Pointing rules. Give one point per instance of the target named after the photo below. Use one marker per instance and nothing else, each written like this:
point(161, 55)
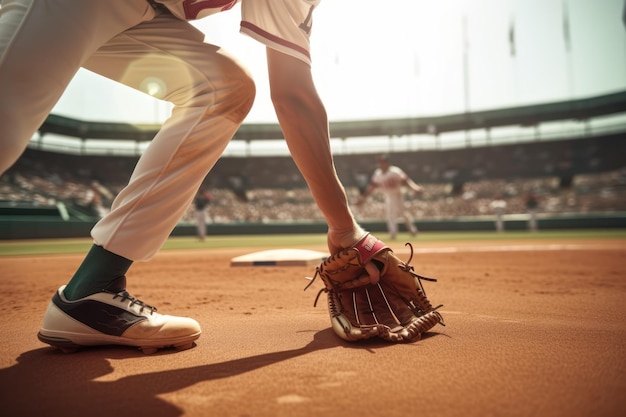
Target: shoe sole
point(70, 343)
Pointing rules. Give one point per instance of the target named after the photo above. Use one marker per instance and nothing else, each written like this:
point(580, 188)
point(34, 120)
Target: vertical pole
point(513, 53)
point(624, 21)
point(466, 86)
point(568, 49)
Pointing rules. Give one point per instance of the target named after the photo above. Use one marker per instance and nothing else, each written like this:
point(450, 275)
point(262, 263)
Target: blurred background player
point(95, 198)
point(498, 206)
point(200, 203)
point(390, 180)
point(532, 203)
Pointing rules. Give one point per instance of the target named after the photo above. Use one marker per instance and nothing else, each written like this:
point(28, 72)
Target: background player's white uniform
point(390, 183)
point(499, 207)
point(43, 43)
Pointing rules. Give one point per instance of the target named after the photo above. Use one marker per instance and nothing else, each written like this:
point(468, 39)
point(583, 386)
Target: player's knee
point(222, 86)
point(232, 92)
point(243, 95)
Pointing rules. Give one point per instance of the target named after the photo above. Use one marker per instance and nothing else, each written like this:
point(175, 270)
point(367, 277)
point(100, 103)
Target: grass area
point(72, 246)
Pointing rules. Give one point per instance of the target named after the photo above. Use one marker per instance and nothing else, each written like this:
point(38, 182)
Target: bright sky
point(400, 58)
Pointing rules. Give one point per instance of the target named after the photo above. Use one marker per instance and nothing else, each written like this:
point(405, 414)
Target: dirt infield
point(532, 329)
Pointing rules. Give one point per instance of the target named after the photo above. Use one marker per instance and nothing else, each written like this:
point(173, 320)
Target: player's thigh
point(52, 38)
point(42, 45)
point(168, 59)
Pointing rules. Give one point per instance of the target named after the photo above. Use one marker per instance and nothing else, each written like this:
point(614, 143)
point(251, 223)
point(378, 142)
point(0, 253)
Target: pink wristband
point(368, 246)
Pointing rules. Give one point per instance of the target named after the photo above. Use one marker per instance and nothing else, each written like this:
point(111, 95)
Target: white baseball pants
point(394, 209)
point(43, 43)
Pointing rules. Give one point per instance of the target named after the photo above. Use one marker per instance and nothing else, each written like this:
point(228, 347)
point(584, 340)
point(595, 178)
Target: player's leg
point(201, 224)
point(391, 212)
point(42, 45)
point(408, 220)
point(532, 225)
point(499, 223)
point(212, 95)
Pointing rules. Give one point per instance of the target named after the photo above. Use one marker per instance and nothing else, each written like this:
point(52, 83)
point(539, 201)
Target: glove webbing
point(367, 248)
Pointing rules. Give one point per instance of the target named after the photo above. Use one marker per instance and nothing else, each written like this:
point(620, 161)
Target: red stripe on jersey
point(275, 39)
point(194, 7)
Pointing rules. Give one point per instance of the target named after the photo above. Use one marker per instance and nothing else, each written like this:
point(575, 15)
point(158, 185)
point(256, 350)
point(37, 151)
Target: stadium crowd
point(604, 192)
point(237, 202)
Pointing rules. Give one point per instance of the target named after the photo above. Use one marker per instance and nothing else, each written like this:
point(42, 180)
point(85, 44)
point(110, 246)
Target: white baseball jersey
point(284, 25)
point(389, 182)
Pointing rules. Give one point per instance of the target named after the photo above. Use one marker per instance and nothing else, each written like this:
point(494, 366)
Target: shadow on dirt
point(48, 382)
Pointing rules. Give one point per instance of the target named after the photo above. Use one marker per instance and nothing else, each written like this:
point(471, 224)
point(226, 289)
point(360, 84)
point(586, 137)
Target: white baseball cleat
point(113, 317)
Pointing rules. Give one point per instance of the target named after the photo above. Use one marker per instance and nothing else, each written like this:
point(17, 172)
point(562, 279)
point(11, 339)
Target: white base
point(280, 257)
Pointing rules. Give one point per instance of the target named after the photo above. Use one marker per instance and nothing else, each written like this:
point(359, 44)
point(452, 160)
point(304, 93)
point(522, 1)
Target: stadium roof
point(530, 115)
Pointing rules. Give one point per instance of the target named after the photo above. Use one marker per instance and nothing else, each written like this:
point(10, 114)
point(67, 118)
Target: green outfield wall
point(50, 226)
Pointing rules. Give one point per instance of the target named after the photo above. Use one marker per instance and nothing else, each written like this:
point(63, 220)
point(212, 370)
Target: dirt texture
point(532, 329)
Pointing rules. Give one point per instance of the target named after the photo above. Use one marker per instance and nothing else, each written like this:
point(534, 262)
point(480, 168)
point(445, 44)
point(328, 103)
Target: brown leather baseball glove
point(372, 293)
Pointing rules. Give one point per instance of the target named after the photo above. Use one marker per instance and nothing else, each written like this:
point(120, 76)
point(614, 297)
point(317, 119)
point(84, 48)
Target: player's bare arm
point(418, 189)
point(304, 122)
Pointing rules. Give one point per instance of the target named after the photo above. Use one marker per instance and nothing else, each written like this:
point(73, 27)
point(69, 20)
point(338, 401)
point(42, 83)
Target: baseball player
point(42, 45)
point(498, 205)
point(532, 203)
point(390, 180)
point(200, 203)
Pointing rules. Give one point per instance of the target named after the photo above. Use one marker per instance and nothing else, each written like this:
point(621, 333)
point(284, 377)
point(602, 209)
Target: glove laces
point(326, 261)
point(425, 305)
point(311, 280)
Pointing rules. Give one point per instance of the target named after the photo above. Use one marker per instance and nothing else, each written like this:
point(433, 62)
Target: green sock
point(99, 268)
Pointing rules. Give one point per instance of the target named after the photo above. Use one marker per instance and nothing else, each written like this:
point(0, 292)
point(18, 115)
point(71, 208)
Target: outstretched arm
point(304, 123)
point(413, 186)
